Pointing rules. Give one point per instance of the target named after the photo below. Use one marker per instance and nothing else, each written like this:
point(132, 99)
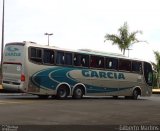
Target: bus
point(50, 71)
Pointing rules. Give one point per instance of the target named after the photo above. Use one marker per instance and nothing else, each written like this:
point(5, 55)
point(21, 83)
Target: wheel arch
point(138, 88)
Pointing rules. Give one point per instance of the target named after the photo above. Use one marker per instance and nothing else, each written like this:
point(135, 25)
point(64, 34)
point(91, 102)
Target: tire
point(78, 93)
point(135, 94)
point(62, 92)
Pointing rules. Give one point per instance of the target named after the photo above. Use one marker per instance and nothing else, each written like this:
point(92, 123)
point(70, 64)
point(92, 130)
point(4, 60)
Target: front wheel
point(78, 93)
point(135, 94)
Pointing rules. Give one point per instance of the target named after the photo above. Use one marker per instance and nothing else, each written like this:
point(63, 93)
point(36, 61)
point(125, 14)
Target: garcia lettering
point(103, 74)
point(12, 54)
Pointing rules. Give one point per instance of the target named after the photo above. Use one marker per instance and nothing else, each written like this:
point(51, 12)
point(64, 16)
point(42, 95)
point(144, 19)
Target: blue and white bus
point(50, 71)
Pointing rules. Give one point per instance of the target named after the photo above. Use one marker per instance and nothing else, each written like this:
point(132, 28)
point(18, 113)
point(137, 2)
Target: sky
point(82, 24)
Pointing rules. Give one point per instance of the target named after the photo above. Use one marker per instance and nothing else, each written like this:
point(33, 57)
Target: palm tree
point(157, 67)
point(124, 39)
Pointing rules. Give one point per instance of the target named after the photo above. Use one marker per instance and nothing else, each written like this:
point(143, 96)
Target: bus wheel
point(135, 94)
point(62, 92)
point(78, 93)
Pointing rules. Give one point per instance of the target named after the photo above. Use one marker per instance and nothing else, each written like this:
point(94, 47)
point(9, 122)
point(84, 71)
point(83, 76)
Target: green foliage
point(156, 67)
point(154, 80)
point(124, 39)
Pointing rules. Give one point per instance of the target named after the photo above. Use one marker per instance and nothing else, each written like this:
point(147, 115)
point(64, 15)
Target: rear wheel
point(78, 93)
point(62, 92)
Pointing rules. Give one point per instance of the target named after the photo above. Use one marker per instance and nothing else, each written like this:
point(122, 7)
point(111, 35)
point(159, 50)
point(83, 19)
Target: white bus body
point(48, 71)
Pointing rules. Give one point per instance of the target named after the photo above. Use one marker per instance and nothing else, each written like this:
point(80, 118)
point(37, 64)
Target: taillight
point(22, 77)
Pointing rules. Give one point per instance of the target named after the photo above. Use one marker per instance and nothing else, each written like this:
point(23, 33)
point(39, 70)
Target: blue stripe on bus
point(50, 78)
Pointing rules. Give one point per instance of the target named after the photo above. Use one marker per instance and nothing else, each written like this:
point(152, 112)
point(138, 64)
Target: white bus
point(49, 71)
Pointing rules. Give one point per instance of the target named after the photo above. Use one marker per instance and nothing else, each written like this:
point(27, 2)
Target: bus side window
point(101, 62)
point(136, 66)
point(36, 54)
point(77, 59)
point(85, 60)
point(124, 65)
point(68, 58)
point(112, 63)
point(48, 56)
point(97, 62)
point(60, 58)
point(93, 61)
point(81, 60)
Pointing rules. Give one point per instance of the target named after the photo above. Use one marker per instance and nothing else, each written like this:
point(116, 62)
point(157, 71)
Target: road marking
point(9, 102)
point(15, 102)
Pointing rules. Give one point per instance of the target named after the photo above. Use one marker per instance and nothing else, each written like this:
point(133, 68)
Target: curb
point(13, 94)
point(156, 91)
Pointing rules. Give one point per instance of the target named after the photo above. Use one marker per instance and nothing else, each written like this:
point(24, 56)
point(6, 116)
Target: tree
point(157, 67)
point(124, 39)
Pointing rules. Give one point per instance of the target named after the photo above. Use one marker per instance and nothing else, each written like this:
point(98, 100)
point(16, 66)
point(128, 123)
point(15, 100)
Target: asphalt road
point(29, 110)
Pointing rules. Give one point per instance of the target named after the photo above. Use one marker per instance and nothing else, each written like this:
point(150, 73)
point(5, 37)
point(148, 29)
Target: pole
point(48, 39)
point(2, 45)
point(128, 51)
point(48, 34)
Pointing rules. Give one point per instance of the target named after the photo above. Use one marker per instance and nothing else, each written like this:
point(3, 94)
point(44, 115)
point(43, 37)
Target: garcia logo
point(103, 74)
point(12, 51)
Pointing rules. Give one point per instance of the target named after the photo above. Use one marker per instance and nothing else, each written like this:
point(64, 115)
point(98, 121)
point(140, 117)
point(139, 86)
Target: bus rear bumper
point(12, 88)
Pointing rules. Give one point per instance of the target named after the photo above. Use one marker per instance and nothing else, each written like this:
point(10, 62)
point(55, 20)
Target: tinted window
point(137, 66)
point(48, 56)
point(36, 54)
point(68, 58)
point(60, 58)
point(112, 63)
point(97, 62)
point(81, 60)
point(125, 65)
